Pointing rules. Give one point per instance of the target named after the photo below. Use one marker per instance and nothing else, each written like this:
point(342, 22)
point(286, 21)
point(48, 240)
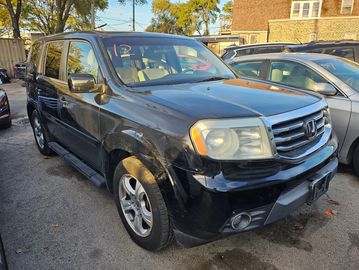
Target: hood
point(229, 98)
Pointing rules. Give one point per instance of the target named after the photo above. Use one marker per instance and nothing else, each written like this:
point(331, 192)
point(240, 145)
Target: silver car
point(336, 78)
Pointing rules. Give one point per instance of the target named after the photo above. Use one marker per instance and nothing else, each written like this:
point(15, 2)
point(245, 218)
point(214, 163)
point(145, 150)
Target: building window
point(347, 6)
point(254, 38)
point(312, 37)
point(306, 9)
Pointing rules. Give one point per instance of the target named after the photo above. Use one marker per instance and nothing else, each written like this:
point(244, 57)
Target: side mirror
point(325, 89)
point(80, 83)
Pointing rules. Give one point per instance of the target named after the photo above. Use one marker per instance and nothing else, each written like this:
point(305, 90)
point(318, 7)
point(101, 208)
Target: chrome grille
point(291, 136)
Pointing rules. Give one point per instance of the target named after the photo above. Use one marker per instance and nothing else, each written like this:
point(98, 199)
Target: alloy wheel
point(39, 134)
point(135, 205)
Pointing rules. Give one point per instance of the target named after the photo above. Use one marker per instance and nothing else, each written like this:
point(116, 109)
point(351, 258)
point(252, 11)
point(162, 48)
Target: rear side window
point(53, 59)
point(243, 52)
point(248, 69)
point(228, 55)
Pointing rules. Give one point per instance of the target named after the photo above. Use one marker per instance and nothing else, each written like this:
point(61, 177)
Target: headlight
point(232, 139)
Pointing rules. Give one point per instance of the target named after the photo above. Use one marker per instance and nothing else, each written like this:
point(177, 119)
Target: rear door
point(47, 83)
point(79, 112)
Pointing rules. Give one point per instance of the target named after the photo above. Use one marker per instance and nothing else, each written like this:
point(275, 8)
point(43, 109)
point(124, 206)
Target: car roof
point(284, 56)
point(258, 45)
point(323, 44)
point(106, 34)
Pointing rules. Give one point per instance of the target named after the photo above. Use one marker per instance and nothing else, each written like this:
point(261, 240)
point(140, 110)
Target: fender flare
point(133, 143)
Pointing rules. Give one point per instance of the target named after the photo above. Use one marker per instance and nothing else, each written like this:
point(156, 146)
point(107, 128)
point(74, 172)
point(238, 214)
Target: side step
point(75, 162)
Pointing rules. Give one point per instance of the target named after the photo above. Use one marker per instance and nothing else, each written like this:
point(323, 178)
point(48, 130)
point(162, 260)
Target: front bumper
point(211, 203)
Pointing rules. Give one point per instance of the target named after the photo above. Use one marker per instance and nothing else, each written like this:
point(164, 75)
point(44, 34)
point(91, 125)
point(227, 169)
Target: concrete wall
point(11, 52)
point(334, 28)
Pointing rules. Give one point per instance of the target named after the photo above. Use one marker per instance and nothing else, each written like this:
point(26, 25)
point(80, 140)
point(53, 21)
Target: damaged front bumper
point(217, 207)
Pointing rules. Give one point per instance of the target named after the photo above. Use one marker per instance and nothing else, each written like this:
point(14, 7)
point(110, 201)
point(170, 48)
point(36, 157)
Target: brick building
point(295, 20)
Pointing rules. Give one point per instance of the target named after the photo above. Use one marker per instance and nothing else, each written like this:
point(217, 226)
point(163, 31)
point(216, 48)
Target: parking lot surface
point(51, 217)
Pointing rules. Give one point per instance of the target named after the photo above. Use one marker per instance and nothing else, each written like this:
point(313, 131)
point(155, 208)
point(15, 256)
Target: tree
point(183, 17)
point(134, 3)
point(227, 10)
point(5, 22)
point(172, 18)
point(56, 16)
point(207, 12)
point(14, 9)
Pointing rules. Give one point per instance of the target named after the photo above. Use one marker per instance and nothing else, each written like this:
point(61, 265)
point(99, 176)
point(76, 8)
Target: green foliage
point(49, 16)
point(227, 9)
point(207, 12)
point(183, 17)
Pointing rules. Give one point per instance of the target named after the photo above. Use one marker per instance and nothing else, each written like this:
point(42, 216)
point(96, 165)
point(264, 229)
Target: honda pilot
point(189, 150)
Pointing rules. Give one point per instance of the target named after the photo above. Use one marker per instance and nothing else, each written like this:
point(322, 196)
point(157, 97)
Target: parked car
point(345, 48)
point(259, 48)
point(196, 153)
point(4, 77)
point(3, 263)
point(5, 116)
point(335, 77)
point(19, 70)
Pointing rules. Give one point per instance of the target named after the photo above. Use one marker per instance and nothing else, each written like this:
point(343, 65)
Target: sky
point(119, 17)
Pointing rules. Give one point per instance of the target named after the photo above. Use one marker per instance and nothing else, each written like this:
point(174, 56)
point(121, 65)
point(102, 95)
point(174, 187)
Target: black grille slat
point(290, 135)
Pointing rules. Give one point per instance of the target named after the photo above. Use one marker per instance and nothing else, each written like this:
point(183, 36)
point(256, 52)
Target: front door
point(79, 112)
point(47, 83)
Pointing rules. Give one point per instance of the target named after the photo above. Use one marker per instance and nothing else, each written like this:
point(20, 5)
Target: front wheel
point(356, 160)
point(40, 135)
point(141, 206)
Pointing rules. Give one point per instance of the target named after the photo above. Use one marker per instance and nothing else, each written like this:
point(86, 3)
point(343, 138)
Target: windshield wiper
point(213, 78)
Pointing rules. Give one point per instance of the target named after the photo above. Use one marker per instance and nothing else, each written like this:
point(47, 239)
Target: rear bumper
point(212, 203)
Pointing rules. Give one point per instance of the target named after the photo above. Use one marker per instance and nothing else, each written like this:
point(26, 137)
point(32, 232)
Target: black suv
point(186, 148)
point(346, 49)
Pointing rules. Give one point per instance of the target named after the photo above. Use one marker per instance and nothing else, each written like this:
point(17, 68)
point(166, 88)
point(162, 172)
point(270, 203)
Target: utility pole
point(93, 15)
point(133, 16)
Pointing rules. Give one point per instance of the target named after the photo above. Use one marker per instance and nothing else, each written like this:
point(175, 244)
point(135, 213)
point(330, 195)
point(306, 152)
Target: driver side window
point(294, 74)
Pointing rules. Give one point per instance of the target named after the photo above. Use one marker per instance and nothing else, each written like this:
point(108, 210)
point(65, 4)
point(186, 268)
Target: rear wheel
point(40, 135)
point(141, 205)
point(356, 160)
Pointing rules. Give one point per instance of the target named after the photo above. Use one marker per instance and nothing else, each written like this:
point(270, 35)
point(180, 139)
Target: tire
point(132, 171)
point(7, 125)
point(356, 160)
point(39, 131)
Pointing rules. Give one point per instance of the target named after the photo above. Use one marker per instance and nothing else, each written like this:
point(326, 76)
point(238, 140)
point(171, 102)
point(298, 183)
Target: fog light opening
point(241, 221)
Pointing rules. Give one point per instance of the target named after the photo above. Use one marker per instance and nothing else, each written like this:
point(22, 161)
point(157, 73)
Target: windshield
point(144, 61)
point(344, 69)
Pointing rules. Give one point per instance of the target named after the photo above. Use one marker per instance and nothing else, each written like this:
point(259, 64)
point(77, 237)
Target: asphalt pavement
point(51, 217)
